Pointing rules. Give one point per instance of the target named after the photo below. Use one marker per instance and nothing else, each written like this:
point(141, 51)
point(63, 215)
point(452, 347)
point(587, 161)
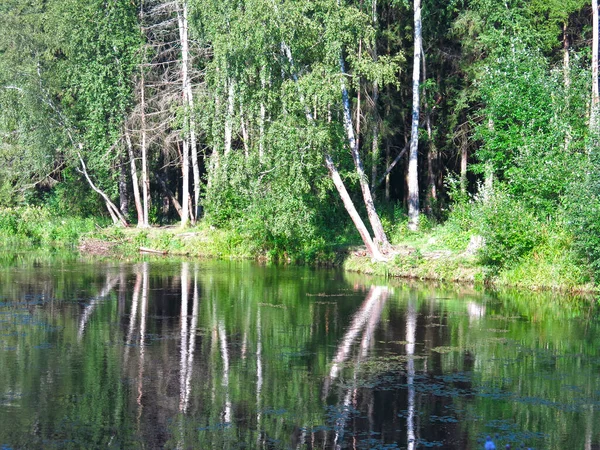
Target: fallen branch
point(151, 250)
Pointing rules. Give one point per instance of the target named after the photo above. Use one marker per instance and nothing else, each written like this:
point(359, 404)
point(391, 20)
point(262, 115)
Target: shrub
point(510, 230)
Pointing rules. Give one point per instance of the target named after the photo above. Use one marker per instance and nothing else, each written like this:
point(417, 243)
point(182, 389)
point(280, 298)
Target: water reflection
point(411, 335)
point(219, 355)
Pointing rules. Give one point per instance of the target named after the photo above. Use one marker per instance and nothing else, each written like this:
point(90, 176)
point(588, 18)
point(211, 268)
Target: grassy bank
point(446, 252)
point(437, 253)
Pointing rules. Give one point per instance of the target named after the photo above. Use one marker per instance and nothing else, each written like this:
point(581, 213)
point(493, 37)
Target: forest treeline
point(306, 123)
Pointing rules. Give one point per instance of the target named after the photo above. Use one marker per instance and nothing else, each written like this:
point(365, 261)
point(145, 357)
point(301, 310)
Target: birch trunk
point(595, 96)
point(376, 116)
point(337, 180)
point(114, 212)
point(145, 176)
point(123, 190)
point(463, 164)
point(352, 212)
point(134, 181)
point(566, 56)
point(185, 198)
point(379, 233)
point(182, 17)
point(263, 114)
point(375, 143)
point(413, 169)
point(388, 159)
point(229, 118)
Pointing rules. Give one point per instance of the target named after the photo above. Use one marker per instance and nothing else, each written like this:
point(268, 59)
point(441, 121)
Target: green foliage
point(533, 128)
point(39, 227)
point(509, 227)
point(582, 209)
point(552, 264)
point(510, 230)
point(275, 210)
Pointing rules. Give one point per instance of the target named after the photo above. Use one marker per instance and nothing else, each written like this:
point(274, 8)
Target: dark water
point(232, 355)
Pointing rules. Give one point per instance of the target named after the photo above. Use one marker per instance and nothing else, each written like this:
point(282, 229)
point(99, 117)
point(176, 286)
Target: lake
point(214, 354)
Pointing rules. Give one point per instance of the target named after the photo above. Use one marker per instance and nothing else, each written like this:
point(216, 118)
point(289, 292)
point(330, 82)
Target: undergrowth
point(38, 227)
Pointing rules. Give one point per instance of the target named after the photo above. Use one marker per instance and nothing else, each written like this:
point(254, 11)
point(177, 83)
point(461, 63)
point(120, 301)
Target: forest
point(300, 126)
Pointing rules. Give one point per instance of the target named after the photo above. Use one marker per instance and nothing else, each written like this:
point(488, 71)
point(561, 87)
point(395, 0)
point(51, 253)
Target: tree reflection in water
point(216, 355)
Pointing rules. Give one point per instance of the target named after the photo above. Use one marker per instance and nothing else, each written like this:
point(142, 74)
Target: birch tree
point(413, 168)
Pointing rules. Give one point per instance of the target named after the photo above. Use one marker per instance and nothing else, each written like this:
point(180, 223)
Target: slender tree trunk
point(413, 169)
point(378, 231)
point(134, 181)
point(388, 159)
point(566, 56)
point(335, 176)
point(229, 117)
point(263, 113)
point(352, 212)
point(464, 156)
point(145, 175)
point(595, 95)
point(185, 189)
point(376, 116)
point(182, 17)
point(375, 143)
point(123, 190)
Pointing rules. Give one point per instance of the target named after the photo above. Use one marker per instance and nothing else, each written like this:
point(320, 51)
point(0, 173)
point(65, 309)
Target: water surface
point(184, 354)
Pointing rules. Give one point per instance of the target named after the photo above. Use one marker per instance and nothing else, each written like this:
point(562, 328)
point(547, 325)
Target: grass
point(435, 252)
point(37, 227)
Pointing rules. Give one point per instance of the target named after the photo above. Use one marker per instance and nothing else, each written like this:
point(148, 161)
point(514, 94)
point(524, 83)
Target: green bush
point(509, 227)
point(510, 230)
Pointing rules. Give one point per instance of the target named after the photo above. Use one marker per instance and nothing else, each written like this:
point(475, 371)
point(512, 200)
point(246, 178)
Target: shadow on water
point(182, 354)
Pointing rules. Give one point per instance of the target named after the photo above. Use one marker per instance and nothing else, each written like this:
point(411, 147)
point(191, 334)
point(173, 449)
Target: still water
point(186, 354)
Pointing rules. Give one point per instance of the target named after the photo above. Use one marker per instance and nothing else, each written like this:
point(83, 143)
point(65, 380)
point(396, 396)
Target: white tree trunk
point(335, 176)
point(375, 143)
point(182, 18)
point(263, 114)
point(352, 212)
point(376, 225)
point(134, 180)
point(229, 117)
point(413, 169)
point(185, 199)
point(145, 176)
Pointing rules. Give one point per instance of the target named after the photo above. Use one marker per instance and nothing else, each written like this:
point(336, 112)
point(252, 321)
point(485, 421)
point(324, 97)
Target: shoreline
point(407, 262)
